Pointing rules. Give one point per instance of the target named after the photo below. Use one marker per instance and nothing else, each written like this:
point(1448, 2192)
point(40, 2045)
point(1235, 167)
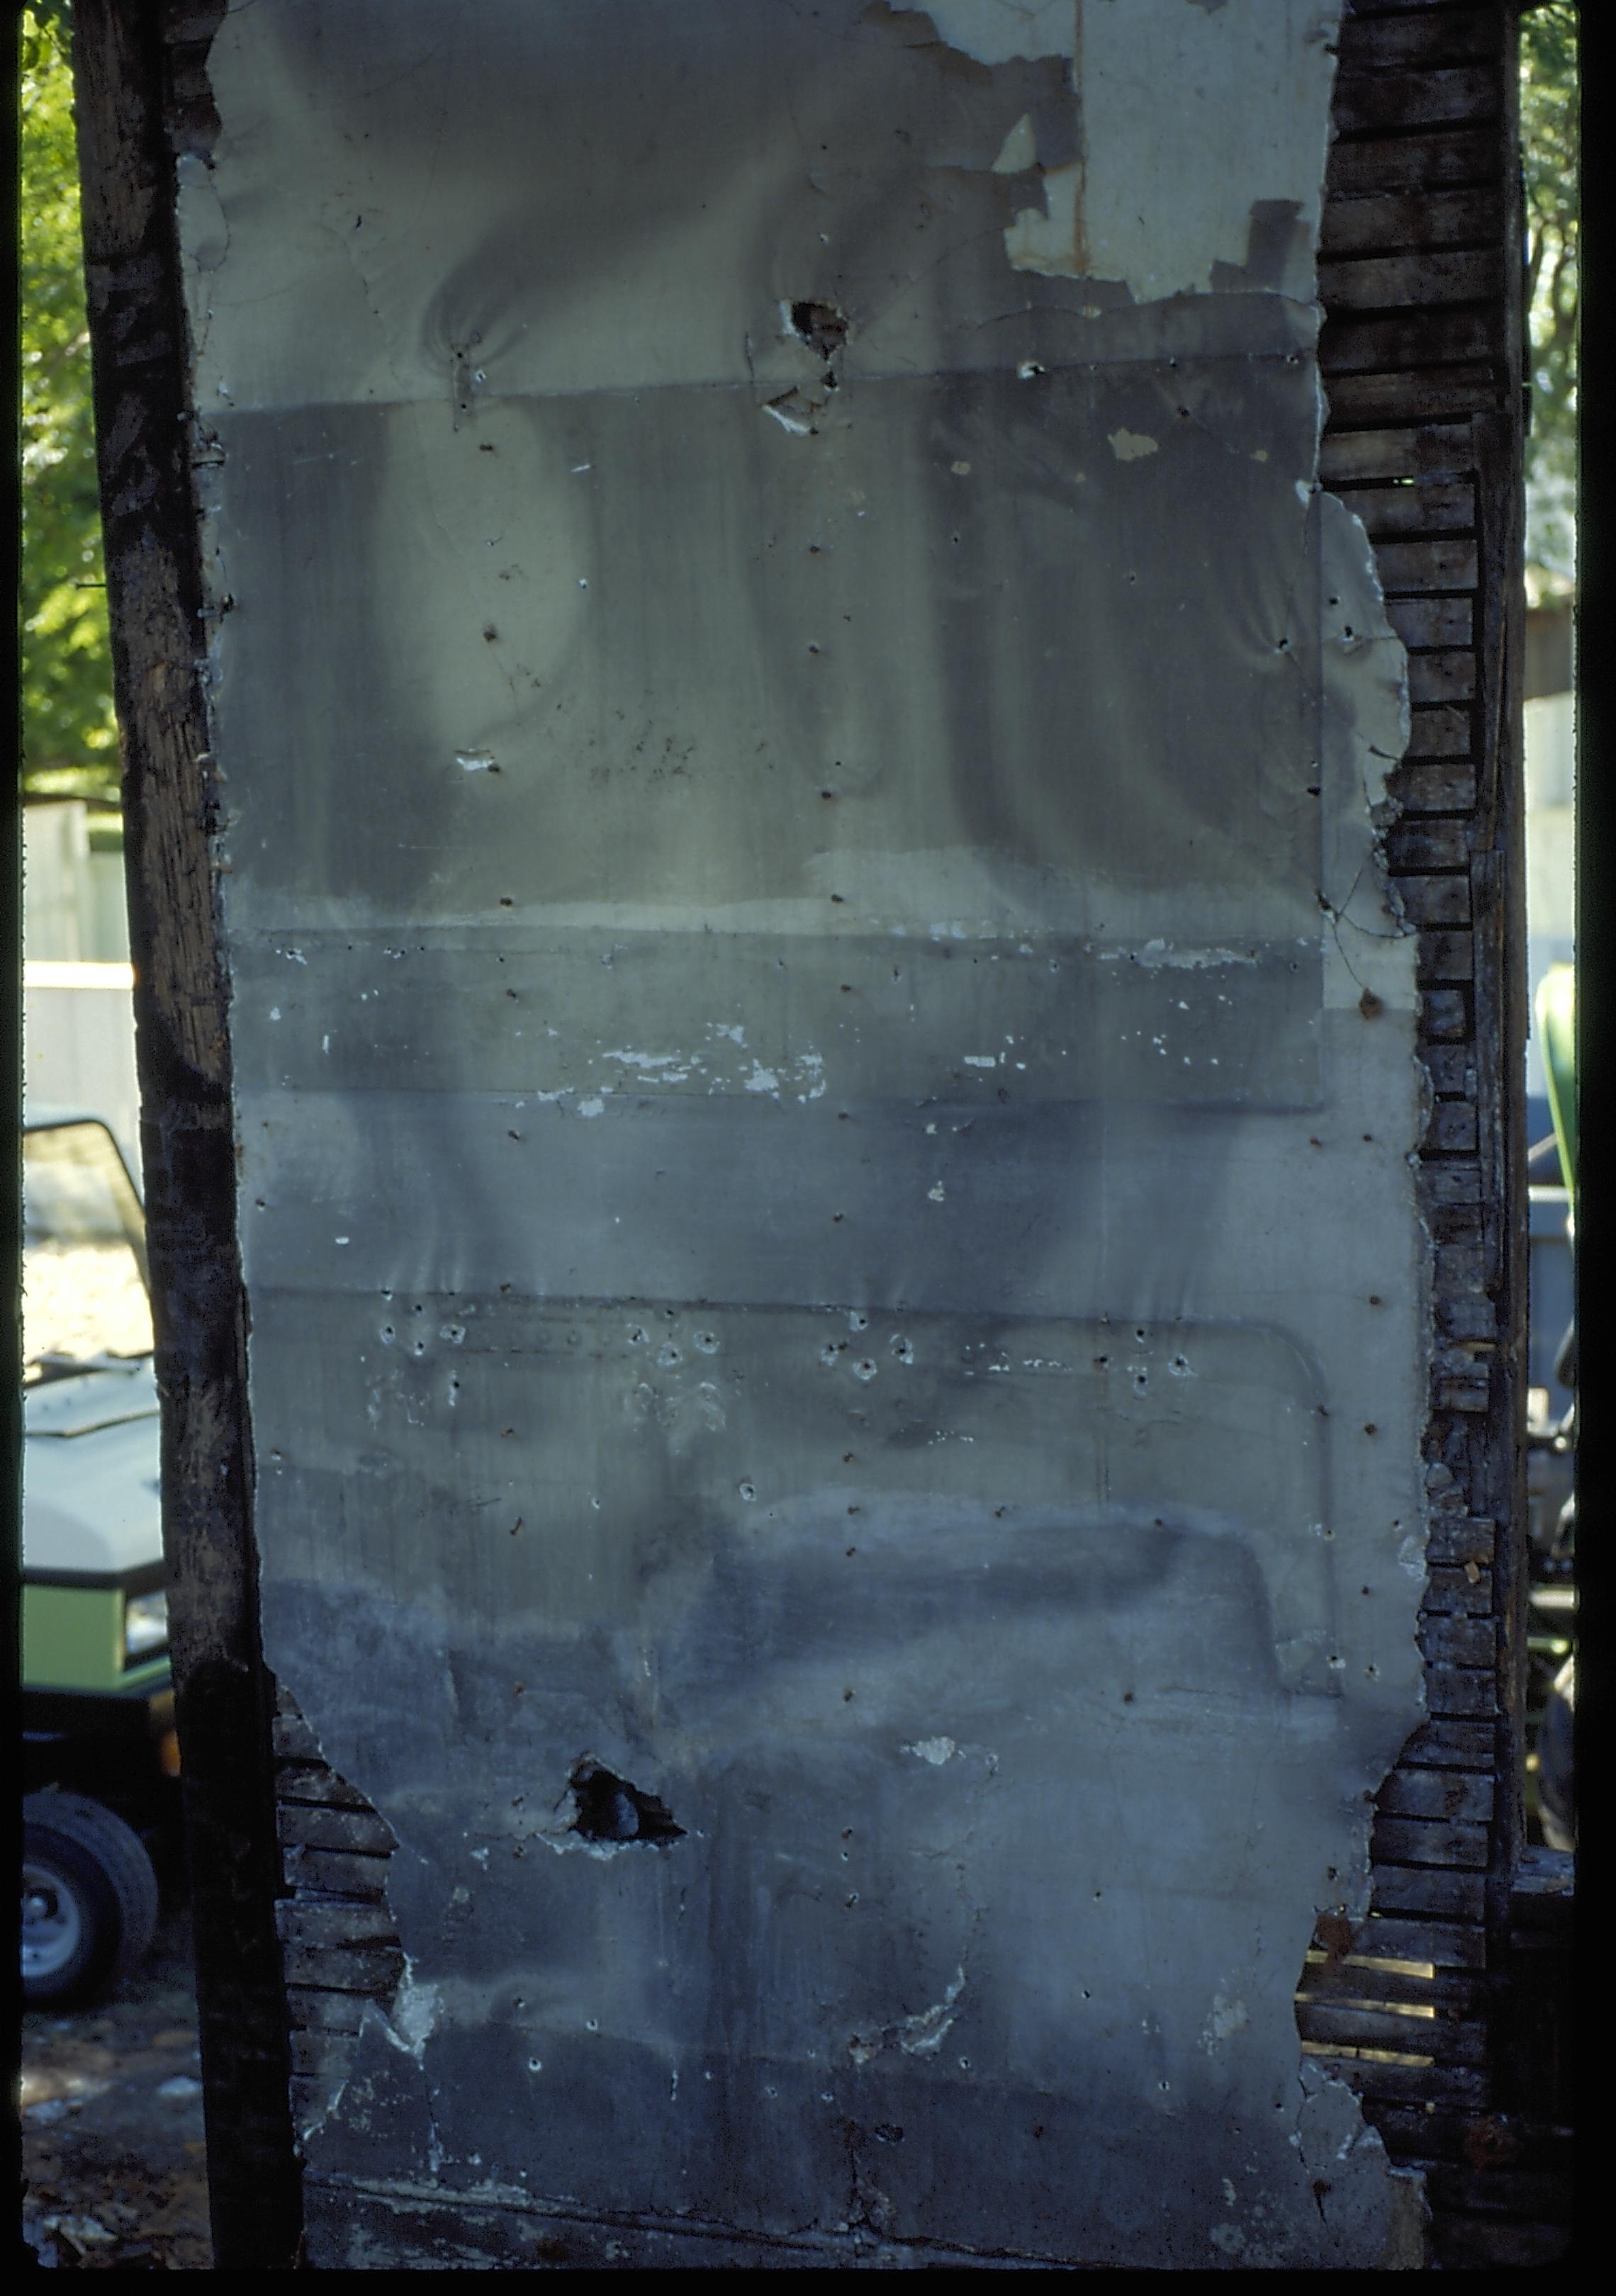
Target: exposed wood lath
point(1422, 353)
point(339, 1938)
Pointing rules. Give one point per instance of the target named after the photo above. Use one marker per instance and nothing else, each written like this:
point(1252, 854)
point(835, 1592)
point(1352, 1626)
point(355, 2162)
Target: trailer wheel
point(89, 1898)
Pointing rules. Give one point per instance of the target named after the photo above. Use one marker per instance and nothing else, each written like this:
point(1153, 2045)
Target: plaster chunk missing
point(920, 2035)
point(606, 1811)
point(413, 2017)
point(927, 2031)
point(793, 414)
point(1132, 446)
point(935, 1751)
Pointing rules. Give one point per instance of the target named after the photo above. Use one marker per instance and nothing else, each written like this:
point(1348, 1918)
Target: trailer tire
point(89, 1898)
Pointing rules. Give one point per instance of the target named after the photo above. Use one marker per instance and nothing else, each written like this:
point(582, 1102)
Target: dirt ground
point(112, 2152)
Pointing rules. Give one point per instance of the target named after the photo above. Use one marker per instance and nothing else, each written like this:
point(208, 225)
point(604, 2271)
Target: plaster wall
point(825, 1089)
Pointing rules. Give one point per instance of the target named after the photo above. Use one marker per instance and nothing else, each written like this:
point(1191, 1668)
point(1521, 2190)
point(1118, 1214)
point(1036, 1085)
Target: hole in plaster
point(821, 324)
point(607, 1808)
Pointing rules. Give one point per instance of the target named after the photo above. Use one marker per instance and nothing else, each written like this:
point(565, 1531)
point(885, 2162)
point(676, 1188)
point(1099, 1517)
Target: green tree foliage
point(1550, 136)
point(70, 736)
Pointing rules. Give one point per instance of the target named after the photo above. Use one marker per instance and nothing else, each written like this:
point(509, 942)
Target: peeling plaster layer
point(819, 1182)
point(1231, 155)
point(417, 279)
